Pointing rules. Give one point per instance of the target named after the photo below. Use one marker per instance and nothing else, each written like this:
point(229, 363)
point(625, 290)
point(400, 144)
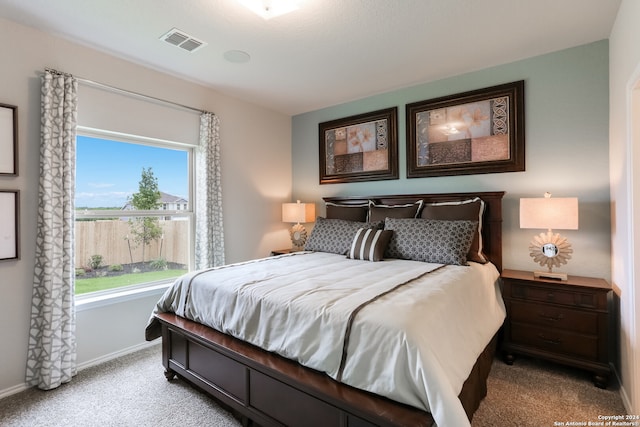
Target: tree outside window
point(146, 229)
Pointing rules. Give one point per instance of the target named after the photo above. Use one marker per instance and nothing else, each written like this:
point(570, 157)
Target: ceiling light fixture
point(268, 9)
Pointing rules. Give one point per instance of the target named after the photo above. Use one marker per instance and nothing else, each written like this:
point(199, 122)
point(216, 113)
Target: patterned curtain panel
point(51, 358)
point(209, 230)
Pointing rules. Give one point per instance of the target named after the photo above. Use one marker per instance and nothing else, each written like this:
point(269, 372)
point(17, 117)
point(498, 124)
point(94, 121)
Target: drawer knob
point(549, 340)
point(550, 296)
point(543, 315)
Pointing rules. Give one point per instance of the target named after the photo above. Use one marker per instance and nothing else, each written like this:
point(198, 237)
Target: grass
point(84, 286)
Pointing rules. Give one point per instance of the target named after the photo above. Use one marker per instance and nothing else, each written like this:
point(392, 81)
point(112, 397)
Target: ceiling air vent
point(182, 40)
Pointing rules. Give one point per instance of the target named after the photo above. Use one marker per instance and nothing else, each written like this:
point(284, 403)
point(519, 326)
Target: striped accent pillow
point(369, 244)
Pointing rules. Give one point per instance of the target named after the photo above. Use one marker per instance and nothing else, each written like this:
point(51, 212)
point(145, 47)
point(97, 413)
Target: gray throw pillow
point(437, 241)
point(334, 235)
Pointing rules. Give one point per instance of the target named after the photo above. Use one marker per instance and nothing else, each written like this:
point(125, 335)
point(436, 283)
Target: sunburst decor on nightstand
point(298, 213)
point(550, 249)
point(298, 236)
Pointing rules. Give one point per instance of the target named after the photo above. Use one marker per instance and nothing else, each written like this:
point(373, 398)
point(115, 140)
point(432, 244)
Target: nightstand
point(281, 251)
point(561, 321)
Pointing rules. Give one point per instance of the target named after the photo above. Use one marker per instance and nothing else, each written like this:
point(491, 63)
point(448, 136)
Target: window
point(128, 231)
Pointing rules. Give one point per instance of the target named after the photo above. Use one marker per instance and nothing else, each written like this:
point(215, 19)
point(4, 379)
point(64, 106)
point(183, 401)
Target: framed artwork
point(359, 148)
point(8, 140)
point(9, 218)
point(481, 131)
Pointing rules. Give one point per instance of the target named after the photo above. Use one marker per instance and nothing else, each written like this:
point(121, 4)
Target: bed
point(253, 346)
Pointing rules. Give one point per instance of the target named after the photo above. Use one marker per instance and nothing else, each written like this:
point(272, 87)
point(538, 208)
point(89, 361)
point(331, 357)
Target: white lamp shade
point(298, 212)
point(548, 213)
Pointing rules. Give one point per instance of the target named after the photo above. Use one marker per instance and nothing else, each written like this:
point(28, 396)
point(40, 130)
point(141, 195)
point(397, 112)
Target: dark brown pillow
point(380, 212)
point(347, 212)
point(471, 209)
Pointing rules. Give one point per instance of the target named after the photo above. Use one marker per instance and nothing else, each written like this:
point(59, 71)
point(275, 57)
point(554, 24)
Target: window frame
point(128, 292)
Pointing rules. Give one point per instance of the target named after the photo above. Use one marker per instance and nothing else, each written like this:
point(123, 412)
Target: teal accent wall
point(566, 134)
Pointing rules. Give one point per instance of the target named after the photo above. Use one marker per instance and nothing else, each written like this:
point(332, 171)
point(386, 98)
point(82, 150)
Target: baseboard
point(116, 354)
point(625, 400)
point(24, 386)
point(624, 396)
point(13, 390)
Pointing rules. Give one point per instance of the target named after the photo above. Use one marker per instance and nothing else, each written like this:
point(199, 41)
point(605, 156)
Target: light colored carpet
point(128, 391)
point(132, 391)
point(534, 393)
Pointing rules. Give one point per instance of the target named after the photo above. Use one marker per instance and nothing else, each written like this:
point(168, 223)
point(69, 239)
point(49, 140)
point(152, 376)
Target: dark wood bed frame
point(268, 390)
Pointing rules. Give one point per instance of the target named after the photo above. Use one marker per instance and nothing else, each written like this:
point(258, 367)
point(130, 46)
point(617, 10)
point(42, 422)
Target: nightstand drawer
point(557, 296)
point(584, 346)
point(554, 316)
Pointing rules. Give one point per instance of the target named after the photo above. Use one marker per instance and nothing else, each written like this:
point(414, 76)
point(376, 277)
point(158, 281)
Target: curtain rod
point(126, 92)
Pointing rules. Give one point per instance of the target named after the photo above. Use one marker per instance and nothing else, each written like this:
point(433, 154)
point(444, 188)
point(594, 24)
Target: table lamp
point(549, 249)
point(298, 213)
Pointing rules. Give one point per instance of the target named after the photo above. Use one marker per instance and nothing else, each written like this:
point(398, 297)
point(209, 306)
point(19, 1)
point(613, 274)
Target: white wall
point(625, 191)
point(256, 159)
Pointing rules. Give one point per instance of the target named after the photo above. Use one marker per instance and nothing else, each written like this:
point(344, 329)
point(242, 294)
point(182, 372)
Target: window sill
point(89, 302)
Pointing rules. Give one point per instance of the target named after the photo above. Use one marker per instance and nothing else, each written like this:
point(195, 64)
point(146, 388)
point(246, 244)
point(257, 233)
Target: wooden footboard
point(269, 390)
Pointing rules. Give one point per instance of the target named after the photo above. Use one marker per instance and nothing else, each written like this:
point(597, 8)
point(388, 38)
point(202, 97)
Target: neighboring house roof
point(164, 198)
point(169, 198)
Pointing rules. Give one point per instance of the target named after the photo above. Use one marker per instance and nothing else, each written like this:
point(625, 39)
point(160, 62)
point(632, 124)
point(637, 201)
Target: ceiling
point(328, 51)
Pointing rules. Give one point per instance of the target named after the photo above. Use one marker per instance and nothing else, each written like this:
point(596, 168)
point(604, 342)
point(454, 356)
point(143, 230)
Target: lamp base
point(298, 236)
point(550, 275)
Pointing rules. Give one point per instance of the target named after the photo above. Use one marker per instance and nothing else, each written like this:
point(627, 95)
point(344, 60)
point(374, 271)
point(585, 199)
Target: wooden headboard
point(491, 224)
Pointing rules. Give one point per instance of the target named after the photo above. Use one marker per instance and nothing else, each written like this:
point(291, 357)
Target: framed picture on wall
point(8, 139)
point(481, 131)
point(359, 148)
point(9, 227)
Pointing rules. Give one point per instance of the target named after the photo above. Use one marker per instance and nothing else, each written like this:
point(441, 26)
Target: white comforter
point(416, 344)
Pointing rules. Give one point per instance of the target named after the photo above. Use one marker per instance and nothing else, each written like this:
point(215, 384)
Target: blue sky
point(108, 172)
